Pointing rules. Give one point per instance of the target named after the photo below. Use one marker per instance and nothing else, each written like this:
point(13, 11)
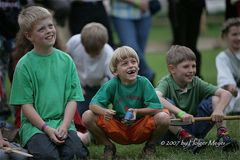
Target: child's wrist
point(44, 126)
point(181, 114)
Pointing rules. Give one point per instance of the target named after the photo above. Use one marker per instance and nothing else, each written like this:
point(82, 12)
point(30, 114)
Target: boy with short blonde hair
point(190, 96)
point(127, 91)
point(46, 85)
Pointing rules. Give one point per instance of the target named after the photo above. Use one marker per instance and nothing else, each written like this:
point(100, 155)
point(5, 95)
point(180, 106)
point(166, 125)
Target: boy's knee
point(88, 117)
point(162, 119)
point(205, 108)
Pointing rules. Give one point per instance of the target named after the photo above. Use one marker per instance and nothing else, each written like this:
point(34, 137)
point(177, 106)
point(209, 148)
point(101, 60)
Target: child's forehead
point(127, 58)
point(42, 20)
point(186, 61)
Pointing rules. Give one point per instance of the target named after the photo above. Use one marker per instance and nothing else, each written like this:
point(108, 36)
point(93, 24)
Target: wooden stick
point(6, 149)
point(179, 122)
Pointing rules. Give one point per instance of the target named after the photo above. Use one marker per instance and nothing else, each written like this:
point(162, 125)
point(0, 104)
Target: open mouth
point(132, 71)
point(50, 37)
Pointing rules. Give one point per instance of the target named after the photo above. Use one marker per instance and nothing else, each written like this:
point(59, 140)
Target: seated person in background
point(190, 96)
point(91, 55)
point(228, 63)
point(127, 91)
point(4, 145)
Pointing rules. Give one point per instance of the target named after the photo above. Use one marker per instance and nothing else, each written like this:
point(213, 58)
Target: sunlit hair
point(121, 54)
point(30, 15)
point(177, 54)
point(228, 24)
point(94, 36)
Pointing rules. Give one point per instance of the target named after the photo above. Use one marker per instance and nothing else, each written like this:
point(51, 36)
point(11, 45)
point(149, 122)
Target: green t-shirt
point(49, 83)
point(188, 101)
point(141, 94)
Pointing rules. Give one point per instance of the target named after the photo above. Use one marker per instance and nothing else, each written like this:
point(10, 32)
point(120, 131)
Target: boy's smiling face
point(42, 35)
point(127, 70)
point(183, 73)
point(233, 38)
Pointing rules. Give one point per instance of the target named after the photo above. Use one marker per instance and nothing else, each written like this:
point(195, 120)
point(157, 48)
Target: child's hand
point(109, 113)
point(4, 143)
point(62, 133)
point(188, 118)
point(53, 135)
point(217, 116)
point(134, 111)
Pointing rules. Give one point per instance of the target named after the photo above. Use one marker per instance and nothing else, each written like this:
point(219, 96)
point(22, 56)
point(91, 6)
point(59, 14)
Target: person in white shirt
point(228, 64)
point(91, 54)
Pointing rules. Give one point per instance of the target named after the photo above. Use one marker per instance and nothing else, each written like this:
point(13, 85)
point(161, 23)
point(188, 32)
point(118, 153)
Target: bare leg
point(162, 121)
point(89, 121)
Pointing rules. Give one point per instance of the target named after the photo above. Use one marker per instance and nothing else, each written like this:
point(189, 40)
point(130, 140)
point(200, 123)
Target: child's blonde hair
point(94, 36)
point(30, 15)
point(177, 54)
point(228, 24)
point(121, 54)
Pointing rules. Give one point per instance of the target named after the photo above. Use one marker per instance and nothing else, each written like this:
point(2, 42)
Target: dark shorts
point(198, 129)
point(41, 147)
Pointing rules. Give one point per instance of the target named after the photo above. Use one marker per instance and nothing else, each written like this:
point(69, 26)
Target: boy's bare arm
point(31, 114)
point(62, 130)
point(69, 113)
point(173, 109)
point(107, 113)
point(224, 98)
point(145, 111)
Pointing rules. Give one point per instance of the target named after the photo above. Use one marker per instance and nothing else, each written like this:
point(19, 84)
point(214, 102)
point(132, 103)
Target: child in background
point(191, 96)
point(126, 92)
point(228, 64)
point(46, 85)
point(91, 55)
point(4, 154)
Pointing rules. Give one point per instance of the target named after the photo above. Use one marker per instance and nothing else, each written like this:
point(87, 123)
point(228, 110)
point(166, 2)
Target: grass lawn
point(161, 33)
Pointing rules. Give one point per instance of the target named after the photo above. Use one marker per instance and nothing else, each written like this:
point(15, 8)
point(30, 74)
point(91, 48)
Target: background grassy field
point(161, 34)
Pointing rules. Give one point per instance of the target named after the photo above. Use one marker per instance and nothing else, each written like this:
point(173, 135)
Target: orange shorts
point(137, 133)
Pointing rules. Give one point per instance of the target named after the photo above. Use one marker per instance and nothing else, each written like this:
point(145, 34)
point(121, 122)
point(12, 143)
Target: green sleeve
point(103, 96)
point(162, 87)
point(206, 89)
point(22, 89)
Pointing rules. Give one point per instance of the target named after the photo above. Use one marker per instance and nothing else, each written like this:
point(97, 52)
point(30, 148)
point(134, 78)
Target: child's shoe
point(149, 150)
point(227, 143)
point(189, 142)
point(109, 152)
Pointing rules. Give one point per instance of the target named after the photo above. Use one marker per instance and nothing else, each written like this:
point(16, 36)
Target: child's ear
point(28, 36)
point(171, 68)
point(115, 73)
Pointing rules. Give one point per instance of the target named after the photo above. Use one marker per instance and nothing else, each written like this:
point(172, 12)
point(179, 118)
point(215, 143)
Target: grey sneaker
point(225, 142)
point(109, 152)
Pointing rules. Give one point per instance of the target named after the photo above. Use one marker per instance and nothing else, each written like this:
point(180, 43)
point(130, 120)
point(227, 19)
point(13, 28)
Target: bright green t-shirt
point(48, 82)
point(188, 101)
point(141, 94)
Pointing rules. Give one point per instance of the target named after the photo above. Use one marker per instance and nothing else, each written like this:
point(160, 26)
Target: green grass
point(161, 33)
